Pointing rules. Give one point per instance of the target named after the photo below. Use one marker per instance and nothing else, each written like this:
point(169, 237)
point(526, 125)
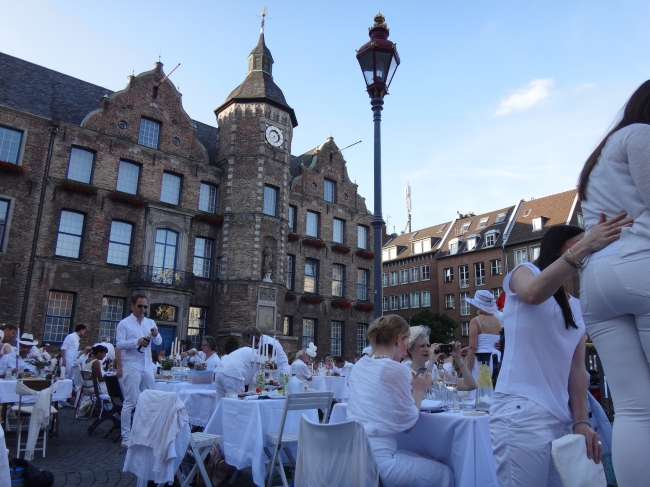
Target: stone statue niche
point(267, 264)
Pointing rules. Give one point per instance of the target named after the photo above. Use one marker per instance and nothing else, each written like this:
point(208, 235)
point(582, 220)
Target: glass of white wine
point(438, 376)
point(451, 384)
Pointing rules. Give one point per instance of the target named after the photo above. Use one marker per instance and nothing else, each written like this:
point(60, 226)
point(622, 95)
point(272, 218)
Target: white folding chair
point(200, 445)
point(295, 402)
point(23, 411)
point(346, 459)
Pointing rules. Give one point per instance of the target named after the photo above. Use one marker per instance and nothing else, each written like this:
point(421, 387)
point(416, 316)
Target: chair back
point(347, 460)
point(114, 391)
point(304, 401)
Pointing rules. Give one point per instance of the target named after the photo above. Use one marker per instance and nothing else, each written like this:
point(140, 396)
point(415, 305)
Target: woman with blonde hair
point(386, 402)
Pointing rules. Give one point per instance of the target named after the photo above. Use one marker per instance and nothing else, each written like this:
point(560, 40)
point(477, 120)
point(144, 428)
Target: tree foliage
point(231, 345)
point(442, 326)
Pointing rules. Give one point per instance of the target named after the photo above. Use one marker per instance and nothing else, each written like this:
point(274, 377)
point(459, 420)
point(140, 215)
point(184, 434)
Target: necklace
point(380, 356)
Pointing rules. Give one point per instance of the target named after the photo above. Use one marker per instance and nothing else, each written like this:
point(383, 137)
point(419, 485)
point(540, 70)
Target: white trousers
point(133, 382)
point(399, 468)
point(228, 385)
point(522, 431)
point(615, 300)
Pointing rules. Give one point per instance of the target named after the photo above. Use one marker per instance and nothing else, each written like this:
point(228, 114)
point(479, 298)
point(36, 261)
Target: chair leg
point(19, 436)
point(272, 464)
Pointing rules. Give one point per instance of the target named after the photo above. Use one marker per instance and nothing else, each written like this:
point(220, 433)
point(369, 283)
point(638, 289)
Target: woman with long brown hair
point(541, 394)
point(615, 287)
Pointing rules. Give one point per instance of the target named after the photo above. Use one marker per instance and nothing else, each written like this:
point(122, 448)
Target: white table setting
point(459, 441)
point(8, 391)
point(244, 425)
point(178, 386)
point(199, 403)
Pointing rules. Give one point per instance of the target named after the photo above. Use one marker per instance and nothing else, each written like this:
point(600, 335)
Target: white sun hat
point(484, 300)
point(28, 339)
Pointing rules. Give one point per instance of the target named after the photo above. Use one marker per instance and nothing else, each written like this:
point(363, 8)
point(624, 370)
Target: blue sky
point(495, 101)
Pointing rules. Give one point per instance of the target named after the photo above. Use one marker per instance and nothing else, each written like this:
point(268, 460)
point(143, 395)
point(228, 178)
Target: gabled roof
point(50, 94)
point(405, 242)
point(557, 208)
point(471, 222)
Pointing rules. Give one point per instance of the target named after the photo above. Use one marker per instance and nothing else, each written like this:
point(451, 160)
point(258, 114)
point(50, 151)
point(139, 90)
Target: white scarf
point(40, 416)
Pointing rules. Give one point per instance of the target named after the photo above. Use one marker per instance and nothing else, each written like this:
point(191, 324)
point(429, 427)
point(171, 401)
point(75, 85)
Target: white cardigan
point(619, 182)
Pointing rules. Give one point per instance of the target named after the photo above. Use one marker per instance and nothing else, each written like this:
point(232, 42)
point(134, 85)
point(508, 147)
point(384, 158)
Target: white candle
point(253, 350)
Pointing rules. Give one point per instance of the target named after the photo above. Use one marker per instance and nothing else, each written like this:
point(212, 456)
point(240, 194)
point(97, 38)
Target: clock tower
point(255, 131)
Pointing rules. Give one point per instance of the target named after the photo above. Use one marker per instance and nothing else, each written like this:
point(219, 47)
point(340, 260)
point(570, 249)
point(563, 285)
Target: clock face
point(274, 136)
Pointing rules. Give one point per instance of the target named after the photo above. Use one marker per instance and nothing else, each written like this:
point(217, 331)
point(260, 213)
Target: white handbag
point(573, 465)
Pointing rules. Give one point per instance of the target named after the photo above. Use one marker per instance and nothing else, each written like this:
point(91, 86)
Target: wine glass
point(438, 376)
point(451, 383)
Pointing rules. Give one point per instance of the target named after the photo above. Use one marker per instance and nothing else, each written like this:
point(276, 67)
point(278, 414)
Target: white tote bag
point(573, 465)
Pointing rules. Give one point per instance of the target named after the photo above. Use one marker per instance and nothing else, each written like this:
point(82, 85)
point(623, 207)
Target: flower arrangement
point(312, 299)
point(127, 199)
point(167, 363)
point(364, 254)
point(214, 220)
point(341, 304)
point(198, 365)
point(290, 297)
point(340, 249)
point(313, 242)
point(283, 379)
point(81, 188)
point(293, 237)
point(260, 383)
point(39, 364)
point(364, 307)
point(11, 168)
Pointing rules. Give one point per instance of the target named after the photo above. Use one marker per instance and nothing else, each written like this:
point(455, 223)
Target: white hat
point(484, 300)
point(416, 332)
point(28, 339)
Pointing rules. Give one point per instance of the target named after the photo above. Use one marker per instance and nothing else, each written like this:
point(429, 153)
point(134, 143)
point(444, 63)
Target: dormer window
point(527, 212)
point(538, 223)
point(454, 245)
point(491, 238)
point(472, 241)
point(465, 226)
point(442, 227)
point(482, 222)
point(500, 218)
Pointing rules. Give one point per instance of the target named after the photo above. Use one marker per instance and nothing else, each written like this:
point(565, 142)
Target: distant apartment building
point(439, 267)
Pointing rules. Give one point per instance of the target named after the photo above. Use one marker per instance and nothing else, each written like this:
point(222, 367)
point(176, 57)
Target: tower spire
point(264, 12)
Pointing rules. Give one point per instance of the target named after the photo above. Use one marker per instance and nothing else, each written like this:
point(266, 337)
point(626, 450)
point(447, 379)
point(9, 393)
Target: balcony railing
point(464, 309)
point(463, 283)
point(144, 274)
point(479, 280)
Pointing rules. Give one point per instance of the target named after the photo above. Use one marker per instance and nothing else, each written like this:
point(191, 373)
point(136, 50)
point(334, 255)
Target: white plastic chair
point(334, 454)
point(295, 402)
point(25, 411)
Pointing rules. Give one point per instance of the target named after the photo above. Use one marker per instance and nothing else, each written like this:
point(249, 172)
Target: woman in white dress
point(94, 363)
point(484, 329)
point(385, 401)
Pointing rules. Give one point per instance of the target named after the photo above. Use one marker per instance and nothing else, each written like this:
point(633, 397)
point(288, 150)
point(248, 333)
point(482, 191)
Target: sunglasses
point(142, 306)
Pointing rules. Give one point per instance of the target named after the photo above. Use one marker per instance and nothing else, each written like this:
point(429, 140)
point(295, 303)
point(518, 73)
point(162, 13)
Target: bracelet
point(579, 264)
point(580, 422)
point(570, 261)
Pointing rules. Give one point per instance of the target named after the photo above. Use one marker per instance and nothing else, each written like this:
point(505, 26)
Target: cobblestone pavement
point(80, 460)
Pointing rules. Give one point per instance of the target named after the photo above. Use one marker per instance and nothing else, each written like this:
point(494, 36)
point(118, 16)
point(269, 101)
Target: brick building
point(469, 253)
point(122, 192)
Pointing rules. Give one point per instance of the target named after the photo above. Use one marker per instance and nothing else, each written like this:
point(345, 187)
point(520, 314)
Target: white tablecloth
point(459, 441)
point(244, 426)
point(325, 383)
point(200, 404)
point(169, 386)
point(8, 391)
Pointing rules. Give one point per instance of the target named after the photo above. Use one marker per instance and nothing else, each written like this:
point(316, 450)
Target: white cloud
point(526, 97)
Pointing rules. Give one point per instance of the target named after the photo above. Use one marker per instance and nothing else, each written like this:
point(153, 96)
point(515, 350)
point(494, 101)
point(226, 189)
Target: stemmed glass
point(438, 376)
point(451, 383)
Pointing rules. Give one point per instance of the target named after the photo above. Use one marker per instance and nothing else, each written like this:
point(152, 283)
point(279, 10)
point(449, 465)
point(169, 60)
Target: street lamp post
point(378, 59)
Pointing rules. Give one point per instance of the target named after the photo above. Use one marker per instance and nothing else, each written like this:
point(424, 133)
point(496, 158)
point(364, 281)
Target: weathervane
point(264, 12)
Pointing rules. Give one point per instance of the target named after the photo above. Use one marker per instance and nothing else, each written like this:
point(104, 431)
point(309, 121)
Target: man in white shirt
point(342, 367)
point(281, 359)
point(8, 361)
point(134, 335)
point(235, 372)
point(299, 367)
point(209, 347)
point(70, 349)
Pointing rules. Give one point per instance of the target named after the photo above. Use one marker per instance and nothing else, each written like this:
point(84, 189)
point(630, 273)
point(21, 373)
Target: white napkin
point(575, 469)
